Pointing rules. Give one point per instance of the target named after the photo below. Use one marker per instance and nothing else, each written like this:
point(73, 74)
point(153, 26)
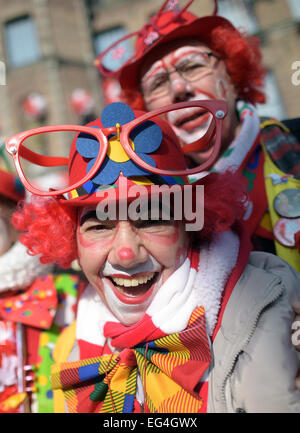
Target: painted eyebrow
point(90, 214)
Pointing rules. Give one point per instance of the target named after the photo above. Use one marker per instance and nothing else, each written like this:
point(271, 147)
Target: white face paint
point(213, 83)
point(196, 123)
point(129, 311)
point(127, 262)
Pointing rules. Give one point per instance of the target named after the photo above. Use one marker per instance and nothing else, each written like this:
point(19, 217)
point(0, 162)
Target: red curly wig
point(243, 59)
point(49, 228)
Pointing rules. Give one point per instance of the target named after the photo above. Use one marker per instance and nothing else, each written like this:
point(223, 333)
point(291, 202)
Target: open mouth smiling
point(133, 289)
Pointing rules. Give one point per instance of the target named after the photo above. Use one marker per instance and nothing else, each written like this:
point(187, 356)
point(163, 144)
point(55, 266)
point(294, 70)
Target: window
point(240, 13)
point(295, 9)
point(274, 106)
point(22, 46)
point(104, 39)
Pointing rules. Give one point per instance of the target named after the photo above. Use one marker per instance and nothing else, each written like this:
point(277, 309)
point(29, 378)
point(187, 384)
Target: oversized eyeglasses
point(29, 155)
point(129, 47)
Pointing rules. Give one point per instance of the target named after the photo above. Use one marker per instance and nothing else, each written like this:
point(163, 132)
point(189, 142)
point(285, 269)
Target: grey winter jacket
point(255, 362)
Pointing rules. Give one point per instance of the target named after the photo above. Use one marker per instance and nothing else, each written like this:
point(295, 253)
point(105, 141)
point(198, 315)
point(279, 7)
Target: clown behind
point(178, 56)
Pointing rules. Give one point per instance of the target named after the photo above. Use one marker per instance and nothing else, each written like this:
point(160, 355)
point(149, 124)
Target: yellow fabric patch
point(290, 255)
point(141, 180)
point(115, 151)
point(266, 222)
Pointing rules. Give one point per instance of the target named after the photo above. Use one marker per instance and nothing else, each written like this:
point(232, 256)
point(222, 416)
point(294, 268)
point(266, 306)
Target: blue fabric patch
point(117, 112)
point(89, 187)
point(128, 403)
point(87, 145)
point(169, 180)
point(88, 371)
point(146, 137)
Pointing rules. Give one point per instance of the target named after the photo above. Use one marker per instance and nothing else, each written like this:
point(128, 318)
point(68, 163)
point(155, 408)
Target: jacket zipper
point(253, 327)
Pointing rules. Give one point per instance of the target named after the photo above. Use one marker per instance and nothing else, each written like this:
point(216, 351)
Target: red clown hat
point(163, 27)
point(154, 142)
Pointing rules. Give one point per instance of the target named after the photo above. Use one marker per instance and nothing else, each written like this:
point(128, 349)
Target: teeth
point(132, 282)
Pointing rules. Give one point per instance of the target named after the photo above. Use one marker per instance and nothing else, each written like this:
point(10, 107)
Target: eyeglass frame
point(13, 144)
point(168, 73)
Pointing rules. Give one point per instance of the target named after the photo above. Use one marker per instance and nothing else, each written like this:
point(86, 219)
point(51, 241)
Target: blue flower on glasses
point(144, 138)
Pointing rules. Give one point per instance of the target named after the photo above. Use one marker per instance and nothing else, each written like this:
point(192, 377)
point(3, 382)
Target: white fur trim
point(91, 317)
point(217, 260)
point(18, 269)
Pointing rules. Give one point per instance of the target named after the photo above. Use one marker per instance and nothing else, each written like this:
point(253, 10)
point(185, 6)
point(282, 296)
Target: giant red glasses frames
point(16, 147)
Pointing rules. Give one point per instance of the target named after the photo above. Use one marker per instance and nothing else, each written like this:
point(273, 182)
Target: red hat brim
point(121, 194)
point(199, 28)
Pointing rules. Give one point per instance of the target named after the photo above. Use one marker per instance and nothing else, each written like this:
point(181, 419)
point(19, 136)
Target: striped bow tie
point(170, 367)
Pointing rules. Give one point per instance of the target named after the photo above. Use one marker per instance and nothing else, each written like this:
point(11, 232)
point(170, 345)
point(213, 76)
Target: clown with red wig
point(178, 57)
point(175, 317)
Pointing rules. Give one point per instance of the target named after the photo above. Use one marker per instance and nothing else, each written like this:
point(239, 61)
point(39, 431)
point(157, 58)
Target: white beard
point(18, 269)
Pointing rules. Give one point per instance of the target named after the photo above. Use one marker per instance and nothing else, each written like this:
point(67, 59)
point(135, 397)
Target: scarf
point(235, 156)
point(163, 360)
point(244, 156)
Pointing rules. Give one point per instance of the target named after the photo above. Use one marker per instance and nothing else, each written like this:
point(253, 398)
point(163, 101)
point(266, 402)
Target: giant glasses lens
point(113, 57)
point(64, 158)
point(198, 126)
point(44, 158)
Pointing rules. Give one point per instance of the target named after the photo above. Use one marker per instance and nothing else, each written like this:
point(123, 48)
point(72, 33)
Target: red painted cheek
point(126, 254)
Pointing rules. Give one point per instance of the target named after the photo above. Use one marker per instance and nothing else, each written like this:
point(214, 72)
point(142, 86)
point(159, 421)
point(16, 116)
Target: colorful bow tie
point(35, 307)
point(170, 368)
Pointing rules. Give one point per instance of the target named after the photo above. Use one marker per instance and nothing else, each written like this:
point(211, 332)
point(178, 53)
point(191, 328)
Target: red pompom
point(224, 202)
